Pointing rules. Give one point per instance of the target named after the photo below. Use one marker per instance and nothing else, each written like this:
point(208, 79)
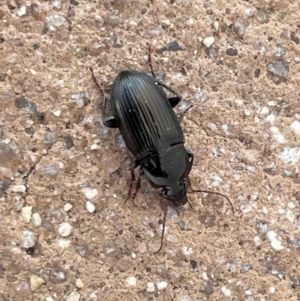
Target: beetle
point(152, 132)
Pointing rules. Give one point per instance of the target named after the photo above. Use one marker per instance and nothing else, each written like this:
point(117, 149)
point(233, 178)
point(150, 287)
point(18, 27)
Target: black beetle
point(151, 130)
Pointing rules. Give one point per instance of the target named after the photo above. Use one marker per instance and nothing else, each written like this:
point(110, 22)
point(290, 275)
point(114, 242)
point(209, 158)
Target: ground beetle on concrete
point(151, 130)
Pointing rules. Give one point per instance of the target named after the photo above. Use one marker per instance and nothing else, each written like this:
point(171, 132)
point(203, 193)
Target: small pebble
point(26, 213)
point(245, 268)
point(290, 155)
point(89, 193)
point(150, 287)
point(239, 26)
point(90, 207)
point(57, 113)
point(64, 229)
point(231, 52)
point(187, 251)
point(207, 288)
point(28, 239)
point(161, 285)
point(275, 240)
point(295, 127)
point(80, 98)
point(57, 275)
point(36, 219)
point(18, 188)
point(79, 283)
point(55, 21)
point(74, 296)
point(264, 111)
point(208, 41)
point(50, 138)
point(21, 11)
point(226, 291)
point(94, 296)
point(291, 205)
point(262, 16)
point(68, 207)
point(36, 282)
point(154, 32)
point(130, 281)
point(279, 67)
point(63, 244)
point(109, 163)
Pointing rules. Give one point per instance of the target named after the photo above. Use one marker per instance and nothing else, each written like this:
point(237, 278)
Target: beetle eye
point(165, 193)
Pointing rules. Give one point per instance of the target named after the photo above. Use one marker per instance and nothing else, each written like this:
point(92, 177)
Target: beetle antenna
point(95, 81)
point(216, 193)
point(150, 62)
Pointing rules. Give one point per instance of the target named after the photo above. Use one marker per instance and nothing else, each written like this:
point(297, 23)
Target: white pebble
point(247, 112)
point(133, 255)
point(208, 41)
point(36, 282)
point(89, 193)
point(272, 290)
point(256, 240)
point(290, 155)
point(79, 283)
point(74, 296)
point(63, 244)
point(277, 135)
point(36, 219)
point(291, 205)
point(226, 291)
point(18, 188)
point(28, 239)
point(187, 251)
point(295, 127)
point(272, 103)
point(161, 285)
point(68, 207)
point(239, 102)
point(130, 281)
point(264, 111)
point(150, 287)
point(57, 113)
point(26, 213)
point(275, 240)
point(64, 229)
point(94, 296)
point(21, 11)
point(90, 207)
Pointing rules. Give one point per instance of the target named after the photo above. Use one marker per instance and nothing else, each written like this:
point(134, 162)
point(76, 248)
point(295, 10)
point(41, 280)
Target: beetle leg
point(111, 123)
point(174, 101)
point(150, 62)
point(138, 183)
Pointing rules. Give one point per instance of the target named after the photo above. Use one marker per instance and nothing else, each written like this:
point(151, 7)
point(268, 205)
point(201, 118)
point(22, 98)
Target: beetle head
point(176, 193)
point(168, 170)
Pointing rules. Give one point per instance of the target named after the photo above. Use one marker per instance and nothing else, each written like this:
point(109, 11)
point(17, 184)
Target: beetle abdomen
point(147, 120)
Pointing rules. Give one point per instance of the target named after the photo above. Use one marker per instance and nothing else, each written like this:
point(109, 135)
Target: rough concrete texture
point(65, 232)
